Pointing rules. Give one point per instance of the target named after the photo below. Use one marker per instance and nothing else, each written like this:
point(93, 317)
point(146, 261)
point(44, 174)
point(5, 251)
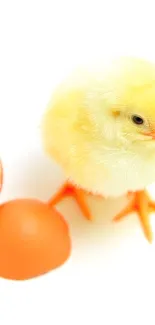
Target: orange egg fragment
point(34, 239)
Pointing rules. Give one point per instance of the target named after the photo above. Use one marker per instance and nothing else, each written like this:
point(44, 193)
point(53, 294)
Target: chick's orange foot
point(70, 190)
point(142, 204)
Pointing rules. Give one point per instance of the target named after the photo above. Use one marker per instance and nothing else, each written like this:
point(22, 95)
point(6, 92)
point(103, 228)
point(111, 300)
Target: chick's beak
point(150, 134)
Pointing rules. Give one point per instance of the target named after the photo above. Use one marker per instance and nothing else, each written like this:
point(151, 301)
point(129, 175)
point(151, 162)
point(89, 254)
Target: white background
point(110, 276)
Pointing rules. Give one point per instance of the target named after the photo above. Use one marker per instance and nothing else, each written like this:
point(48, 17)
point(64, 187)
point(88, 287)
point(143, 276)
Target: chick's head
point(123, 103)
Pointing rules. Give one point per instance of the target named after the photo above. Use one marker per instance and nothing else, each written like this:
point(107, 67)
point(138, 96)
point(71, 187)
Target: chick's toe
point(70, 190)
point(142, 204)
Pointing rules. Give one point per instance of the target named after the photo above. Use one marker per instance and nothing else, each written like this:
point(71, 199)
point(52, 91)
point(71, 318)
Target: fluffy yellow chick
point(100, 127)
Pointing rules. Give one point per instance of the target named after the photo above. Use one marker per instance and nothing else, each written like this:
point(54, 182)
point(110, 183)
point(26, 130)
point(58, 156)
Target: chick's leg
point(142, 204)
point(79, 195)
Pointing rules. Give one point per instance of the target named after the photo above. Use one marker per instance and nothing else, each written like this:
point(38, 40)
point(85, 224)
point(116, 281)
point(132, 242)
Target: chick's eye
point(136, 119)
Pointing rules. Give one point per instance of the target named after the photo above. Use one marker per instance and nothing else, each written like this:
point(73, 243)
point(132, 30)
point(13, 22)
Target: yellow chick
point(100, 128)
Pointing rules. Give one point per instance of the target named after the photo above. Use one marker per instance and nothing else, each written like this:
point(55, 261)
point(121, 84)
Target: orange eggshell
point(34, 239)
